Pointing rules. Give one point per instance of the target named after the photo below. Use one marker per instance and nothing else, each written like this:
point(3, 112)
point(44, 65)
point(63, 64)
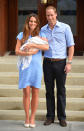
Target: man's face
point(51, 16)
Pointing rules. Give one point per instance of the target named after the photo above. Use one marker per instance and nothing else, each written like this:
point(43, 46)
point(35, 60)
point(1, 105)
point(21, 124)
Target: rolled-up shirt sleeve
point(69, 37)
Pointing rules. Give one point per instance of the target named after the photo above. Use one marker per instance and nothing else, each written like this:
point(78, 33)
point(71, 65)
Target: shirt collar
point(56, 25)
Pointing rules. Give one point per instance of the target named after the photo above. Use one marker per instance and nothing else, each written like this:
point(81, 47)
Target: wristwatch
point(69, 62)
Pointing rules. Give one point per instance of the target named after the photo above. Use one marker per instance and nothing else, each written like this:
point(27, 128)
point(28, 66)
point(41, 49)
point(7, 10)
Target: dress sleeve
point(42, 34)
point(20, 36)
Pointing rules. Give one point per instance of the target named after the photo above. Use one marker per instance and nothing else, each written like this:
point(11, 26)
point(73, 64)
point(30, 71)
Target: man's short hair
point(51, 7)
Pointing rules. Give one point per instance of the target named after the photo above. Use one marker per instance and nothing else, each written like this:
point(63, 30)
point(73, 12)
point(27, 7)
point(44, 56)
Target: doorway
point(68, 12)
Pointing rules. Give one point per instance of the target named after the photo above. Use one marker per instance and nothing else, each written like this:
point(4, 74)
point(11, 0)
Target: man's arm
point(70, 44)
point(70, 53)
point(69, 61)
point(38, 46)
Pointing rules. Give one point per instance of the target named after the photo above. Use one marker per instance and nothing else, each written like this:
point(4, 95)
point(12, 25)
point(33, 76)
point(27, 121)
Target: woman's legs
point(26, 102)
point(34, 104)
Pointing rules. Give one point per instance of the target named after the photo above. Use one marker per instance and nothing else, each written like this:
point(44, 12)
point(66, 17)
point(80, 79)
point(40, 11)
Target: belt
point(53, 59)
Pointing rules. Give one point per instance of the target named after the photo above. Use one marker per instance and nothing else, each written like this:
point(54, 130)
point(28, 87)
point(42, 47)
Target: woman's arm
point(23, 53)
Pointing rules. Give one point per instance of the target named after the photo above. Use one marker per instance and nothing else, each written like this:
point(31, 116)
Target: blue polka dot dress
point(32, 75)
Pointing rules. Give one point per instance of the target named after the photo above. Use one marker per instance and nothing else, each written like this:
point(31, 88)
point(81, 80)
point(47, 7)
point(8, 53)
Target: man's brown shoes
point(63, 123)
point(48, 122)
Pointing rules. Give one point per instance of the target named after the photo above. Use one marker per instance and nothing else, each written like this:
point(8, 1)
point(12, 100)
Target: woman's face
point(32, 23)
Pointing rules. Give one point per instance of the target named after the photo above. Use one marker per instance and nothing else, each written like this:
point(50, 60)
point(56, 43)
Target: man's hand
point(67, 68)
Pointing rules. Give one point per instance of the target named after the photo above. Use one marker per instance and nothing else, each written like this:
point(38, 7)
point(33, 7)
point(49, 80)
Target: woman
point(31, 76)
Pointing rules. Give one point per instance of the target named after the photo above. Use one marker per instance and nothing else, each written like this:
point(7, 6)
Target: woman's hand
point(31, 52)
point(28, 46)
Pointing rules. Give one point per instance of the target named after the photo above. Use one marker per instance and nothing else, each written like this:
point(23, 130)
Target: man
point(55, 67)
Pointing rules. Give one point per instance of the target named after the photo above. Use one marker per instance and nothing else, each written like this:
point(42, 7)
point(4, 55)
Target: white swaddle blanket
point(25, 60)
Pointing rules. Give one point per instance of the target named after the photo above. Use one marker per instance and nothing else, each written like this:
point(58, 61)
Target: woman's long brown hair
point(26, 30)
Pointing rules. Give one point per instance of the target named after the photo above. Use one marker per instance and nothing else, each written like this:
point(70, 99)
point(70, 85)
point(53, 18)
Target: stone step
point(13, 58)
point(9, 64)
point(75, 79)
point(12, 78)
point(8, 67)
point(11, 107)
point(40, 115)
point(74, 91)
point(77, 68)
point(9, 78)
point(12, 67)
point(15, 103)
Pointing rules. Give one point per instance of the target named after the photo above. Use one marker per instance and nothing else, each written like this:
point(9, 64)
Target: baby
point(35, 40)
point(25, 60)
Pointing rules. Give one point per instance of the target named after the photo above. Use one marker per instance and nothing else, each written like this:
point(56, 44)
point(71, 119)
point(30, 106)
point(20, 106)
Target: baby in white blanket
point(25, 60)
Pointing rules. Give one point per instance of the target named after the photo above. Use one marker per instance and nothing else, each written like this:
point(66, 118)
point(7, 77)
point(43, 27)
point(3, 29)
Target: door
point(17, 12)
point(35, 6)
point(12, 24)
point(68, 12)
point(41, 9)
point(25, 7)
point(3, 26)
point(80, 26)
